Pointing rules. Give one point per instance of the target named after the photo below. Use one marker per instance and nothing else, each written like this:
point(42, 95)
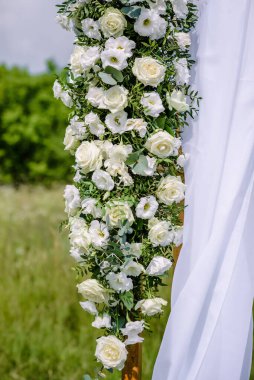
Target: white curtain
point(209, 332)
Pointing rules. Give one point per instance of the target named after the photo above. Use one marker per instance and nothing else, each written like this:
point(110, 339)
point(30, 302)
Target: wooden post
point(133, 365)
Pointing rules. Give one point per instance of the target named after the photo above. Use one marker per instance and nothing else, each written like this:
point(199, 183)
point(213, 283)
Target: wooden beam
point(133, 365)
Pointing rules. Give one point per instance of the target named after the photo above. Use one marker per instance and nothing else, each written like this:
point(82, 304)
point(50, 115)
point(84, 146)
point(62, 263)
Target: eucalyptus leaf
point(132, 12)
point(107, 78)
point(141, 167)
point(87, 377)
point(116, 74)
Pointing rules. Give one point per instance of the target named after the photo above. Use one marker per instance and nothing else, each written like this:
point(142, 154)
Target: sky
point(30, 34)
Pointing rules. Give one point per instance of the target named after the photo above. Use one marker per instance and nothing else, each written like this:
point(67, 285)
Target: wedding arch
point(127, 86)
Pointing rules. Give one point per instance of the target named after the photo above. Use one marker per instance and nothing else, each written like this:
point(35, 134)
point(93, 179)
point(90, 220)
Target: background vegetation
point(32, 127)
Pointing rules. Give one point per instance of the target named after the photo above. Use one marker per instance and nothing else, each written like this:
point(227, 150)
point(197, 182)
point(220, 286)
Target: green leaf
point(127, 299)
point(87, 377)
point(133, 157)
point(121, 322)
point(116, 74)
point(161, 122)
point(132, 12)
point(169, 130)
point(107, 78)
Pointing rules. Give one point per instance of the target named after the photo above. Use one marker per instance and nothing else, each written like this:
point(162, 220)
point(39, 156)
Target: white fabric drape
point(209, 332)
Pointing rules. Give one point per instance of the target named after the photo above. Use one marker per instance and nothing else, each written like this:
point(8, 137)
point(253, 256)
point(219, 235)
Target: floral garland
point(127, 85)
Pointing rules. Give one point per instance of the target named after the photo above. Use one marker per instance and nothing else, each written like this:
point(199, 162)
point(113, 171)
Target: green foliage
point(32, 127)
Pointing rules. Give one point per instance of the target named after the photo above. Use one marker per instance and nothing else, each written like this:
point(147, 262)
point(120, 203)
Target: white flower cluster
point(129, 102)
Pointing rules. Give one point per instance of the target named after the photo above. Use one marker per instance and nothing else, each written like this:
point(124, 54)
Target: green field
point(44, 333)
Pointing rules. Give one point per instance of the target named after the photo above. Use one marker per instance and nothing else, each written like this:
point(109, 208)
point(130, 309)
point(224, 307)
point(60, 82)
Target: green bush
point(32, 127)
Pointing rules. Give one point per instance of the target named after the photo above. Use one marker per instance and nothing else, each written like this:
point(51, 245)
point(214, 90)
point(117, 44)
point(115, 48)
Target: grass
point(44, 333)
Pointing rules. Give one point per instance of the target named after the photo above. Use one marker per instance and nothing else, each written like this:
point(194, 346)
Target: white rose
point(151, 306)
point(183, 39)
point(150, 24)
point(93, 291)
point(83, 58)
point(119, 282)
point(95, 125)
point(70, 141)
point(64, 21)
point(160, 234)
point(132, 268)
point(162, 144)
point(177, 100)
point(102, 322)
point(112, 23)
point(138, 125)
point(88, 157)
point(111, 352)
point(123, 44)
point(119, 152)
point(95, 96)
point(114, 58)
point(72, 200)
point(116, 98)
point(89, 206)
point(99, 234)
point(180, 8)
point(147, 207)
point(91, 28)
point(182, 72)
point(132, 329)
point(89, 307)
point(152, 104)
point(170, 190)
point(103, 180)
point(79, 235)
point(149, 71)
point(116, 122)
point(158, 266)
point(118, 212)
